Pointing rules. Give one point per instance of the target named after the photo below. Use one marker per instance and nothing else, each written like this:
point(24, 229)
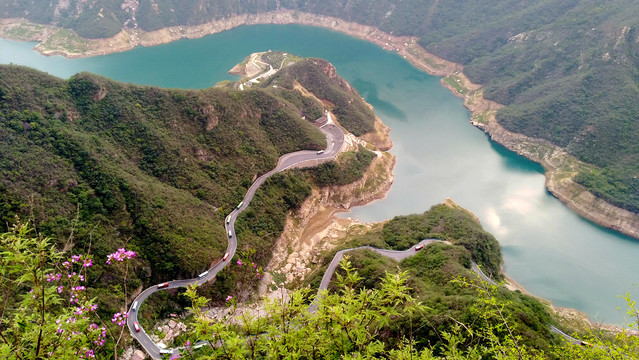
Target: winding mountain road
point(400, 255)
point(397, 255)
point(335, 142)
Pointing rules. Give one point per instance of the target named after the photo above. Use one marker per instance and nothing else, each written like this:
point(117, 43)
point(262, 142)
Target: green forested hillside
point(447, 222)
point(433, 275)
point(320, 77)
point(428, 306)
point(99, 164)
point(568, 70)
point(440, 278)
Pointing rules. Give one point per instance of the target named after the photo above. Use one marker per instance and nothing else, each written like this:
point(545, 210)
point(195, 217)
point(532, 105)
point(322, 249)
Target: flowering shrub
point(50, 313)
point(120, 255)
point(258, 270)
point(120, 318)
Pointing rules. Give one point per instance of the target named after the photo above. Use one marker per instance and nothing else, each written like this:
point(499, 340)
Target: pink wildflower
point(53, 277)
point(120, 255)
point(228, 298)
point(120, 318)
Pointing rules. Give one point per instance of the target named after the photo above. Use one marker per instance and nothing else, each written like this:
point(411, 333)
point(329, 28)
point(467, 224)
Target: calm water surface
point(548, 249)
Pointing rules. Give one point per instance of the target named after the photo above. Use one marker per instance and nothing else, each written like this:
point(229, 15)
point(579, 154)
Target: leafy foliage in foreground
point(435, 275)
point(48, 312)
point(376, 323)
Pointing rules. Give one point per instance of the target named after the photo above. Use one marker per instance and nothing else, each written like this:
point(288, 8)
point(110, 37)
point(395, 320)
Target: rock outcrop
point(313, 228)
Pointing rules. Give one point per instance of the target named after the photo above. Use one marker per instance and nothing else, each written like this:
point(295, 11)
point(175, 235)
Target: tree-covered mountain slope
point(441, 278)
point(567, 70)
point(99, 164)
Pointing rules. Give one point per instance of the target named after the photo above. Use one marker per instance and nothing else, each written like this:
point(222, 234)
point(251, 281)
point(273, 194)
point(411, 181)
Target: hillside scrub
point(348, 167)
point(441, 280)
point(389, 321)
point(431, 309)
point(320, 78)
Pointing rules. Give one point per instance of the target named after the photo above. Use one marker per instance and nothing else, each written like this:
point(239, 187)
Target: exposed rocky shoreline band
point(560, 166)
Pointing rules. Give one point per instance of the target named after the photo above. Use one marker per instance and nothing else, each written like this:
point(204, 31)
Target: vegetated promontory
point(566, 70)
point(100, 165)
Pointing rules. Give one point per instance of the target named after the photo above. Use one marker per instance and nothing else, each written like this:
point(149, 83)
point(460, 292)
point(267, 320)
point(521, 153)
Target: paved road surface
point(335, 141)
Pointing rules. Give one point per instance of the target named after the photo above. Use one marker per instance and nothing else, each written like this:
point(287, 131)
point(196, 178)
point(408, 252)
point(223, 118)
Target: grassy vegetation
point(24, 31)
point(67, 40)
point(279, 59)
point(348, 167)
point(481, 118)
point(453, 81)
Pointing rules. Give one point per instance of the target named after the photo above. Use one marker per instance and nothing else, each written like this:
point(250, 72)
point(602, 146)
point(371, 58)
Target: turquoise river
point(549, 250)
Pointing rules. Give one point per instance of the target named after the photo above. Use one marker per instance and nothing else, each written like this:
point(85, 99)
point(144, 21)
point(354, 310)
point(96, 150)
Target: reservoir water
point(548, 249)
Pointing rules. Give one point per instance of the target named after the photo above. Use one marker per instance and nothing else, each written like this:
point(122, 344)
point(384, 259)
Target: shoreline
point(560, 167)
